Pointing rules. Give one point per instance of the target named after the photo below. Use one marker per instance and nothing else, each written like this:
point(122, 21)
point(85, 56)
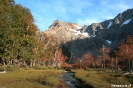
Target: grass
point(32, 79)
point(97, 79)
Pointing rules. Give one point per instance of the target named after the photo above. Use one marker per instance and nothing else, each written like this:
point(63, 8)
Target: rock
point(80, 39)
point(3, 72)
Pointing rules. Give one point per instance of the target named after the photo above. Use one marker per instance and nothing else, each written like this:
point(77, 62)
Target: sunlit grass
point(32, 79)
point(101, 79)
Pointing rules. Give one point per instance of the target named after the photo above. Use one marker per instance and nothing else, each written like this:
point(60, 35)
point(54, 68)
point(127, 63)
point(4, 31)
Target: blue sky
point(83, 12)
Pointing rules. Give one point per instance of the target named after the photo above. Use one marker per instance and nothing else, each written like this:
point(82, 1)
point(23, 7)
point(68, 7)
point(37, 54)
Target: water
point(68, 77)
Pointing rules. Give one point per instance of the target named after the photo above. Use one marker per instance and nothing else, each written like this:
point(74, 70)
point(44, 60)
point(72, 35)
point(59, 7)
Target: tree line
point(119, 59)
point(21, 43)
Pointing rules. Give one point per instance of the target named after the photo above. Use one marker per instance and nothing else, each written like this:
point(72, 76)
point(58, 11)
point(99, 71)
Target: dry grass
point(97, 79)
point(32, 79)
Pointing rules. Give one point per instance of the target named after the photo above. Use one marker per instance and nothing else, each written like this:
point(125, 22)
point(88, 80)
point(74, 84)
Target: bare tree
point(104, 51)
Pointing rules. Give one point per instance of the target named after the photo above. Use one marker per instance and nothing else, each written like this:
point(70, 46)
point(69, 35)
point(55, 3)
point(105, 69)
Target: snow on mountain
point(94, 35)
point(77, 32)
point(85, 33)
point(95, 30)
point(79, 27)
point(110, 23)
point(73, 30)
point(126, 22)
point(91, 37)
point(109, 42)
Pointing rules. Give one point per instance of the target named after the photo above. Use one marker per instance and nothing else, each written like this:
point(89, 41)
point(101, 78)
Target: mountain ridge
point(80, 39)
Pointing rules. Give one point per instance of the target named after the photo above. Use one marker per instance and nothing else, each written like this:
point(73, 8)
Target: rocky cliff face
point(65, 32)
point(89, 38)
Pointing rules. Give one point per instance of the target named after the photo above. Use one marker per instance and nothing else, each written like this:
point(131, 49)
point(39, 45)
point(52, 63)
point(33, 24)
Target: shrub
point(39, 67)
point(11, 68)
point(2, 68)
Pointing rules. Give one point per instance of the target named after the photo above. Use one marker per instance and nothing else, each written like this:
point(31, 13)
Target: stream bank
point(69, 78)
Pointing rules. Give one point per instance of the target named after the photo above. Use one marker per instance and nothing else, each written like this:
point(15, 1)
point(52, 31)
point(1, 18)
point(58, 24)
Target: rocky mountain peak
point(56, 24)
point(109, 33)
point(65, 31)
point(121, 17)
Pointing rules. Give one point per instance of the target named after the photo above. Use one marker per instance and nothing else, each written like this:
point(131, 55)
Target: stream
point(68, 77)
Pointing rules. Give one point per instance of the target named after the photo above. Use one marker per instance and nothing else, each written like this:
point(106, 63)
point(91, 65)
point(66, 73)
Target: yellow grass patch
point(101, 79)
point(32, 79)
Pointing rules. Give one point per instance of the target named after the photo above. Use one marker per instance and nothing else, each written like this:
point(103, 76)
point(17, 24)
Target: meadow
point(102, 79)
point(52, 78)
point(31, 78)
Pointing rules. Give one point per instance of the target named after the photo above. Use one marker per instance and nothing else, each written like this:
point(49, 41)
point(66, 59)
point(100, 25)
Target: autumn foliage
point(86, 61)
point(90, 61)
point(125, 54)
point(58, 59)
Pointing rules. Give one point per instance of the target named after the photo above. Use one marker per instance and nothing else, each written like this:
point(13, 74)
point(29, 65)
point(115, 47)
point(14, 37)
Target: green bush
point(2, 68)
point(11, 68)
point(38, 67)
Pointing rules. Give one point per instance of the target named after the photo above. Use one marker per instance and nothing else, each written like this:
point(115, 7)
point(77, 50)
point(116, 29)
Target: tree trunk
point(44, 63)
point(129, 65)
point(80, 64)
point(132, 64)
point(70, 59)
point(116, 63)
point(104, 64)
point(112, 65)
point(94, 66)
point(31, 63)
point(54, 63)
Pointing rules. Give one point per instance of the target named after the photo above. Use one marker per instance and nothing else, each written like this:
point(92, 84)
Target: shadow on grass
point(82, 84)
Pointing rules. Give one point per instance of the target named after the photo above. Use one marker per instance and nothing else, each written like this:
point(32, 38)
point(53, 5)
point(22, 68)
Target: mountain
point(65, 31)
point(90, 38)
